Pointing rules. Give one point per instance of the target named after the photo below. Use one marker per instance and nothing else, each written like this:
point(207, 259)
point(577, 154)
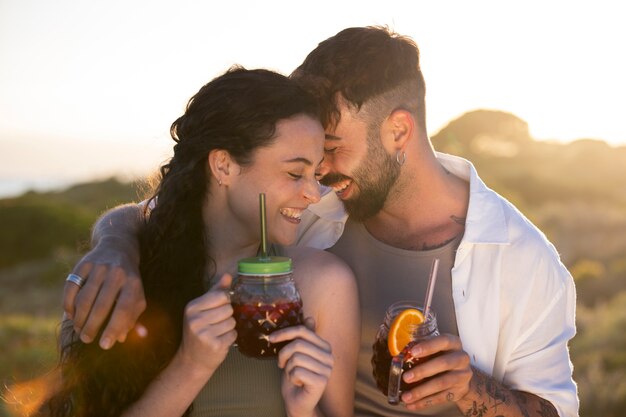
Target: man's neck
point(426, 210)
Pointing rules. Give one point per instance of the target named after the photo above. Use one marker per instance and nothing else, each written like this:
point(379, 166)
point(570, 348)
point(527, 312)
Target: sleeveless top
point(384, 275)
point(243, 386)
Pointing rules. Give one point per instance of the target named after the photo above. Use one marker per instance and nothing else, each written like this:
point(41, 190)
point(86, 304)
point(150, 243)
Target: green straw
point(263, 226)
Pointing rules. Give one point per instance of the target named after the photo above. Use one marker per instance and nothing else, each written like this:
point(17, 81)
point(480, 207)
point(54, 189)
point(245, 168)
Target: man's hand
point(453, 379)
point(113, 286)
point(443, 361)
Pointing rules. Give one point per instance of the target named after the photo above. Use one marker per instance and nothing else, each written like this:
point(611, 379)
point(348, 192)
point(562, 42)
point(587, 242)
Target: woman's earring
point(219, 182)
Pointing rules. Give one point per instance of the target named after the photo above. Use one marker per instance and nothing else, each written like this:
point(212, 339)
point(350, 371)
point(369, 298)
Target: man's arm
point(454, 380)
point(488, 397)
point(111, 270)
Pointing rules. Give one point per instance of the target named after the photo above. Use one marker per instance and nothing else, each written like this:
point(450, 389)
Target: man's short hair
point(371, 66)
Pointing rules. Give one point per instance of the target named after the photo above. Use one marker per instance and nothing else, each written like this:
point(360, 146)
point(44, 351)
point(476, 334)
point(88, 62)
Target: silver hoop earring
point(400, 159)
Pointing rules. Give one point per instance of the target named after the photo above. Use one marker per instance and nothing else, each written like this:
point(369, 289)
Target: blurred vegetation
point(575, 193)
point(43, 235)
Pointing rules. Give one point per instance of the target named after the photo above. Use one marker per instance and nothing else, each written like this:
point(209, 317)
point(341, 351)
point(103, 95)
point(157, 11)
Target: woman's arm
point(329, 295)
point(208, 333)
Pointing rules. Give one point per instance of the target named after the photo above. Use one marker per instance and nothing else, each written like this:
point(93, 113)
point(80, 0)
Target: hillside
point(34, 225)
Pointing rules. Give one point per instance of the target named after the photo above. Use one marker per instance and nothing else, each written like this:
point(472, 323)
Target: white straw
point(431, 287)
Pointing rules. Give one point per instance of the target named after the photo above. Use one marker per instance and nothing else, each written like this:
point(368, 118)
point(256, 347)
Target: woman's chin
point(285, 240)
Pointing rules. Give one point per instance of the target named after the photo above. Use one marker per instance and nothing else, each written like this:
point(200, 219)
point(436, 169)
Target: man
point(505, 304)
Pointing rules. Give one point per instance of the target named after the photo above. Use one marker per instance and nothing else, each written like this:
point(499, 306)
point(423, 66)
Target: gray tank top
point(242, 387)
point(385, 275)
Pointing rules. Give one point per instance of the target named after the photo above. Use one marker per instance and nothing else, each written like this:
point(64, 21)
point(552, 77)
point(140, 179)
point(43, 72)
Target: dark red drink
point(381, 362)
point(256, 321)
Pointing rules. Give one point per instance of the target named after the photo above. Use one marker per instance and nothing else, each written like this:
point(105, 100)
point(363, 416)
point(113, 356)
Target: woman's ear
point(397, 130)
point(221, 166)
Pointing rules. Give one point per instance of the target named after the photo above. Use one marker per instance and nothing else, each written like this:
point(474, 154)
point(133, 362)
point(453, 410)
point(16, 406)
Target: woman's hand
point(208, 329)
point(307, 362)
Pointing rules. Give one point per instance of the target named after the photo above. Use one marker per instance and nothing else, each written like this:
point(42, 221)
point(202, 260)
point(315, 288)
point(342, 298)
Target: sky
point(88, 89)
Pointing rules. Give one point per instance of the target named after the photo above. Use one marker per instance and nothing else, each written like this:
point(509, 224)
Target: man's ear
point(221, 165)
point(397, 130)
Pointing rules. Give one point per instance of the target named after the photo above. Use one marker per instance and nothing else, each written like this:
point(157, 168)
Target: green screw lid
point(270, 265)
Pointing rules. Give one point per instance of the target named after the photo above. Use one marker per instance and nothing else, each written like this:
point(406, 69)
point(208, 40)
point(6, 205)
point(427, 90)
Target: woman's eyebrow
point(298, 159)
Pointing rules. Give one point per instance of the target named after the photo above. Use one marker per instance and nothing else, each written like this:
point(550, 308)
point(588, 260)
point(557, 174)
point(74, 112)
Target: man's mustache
point(333, 178)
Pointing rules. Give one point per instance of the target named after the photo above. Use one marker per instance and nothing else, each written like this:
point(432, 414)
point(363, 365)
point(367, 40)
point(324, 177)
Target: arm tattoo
point(498, 398)
point(476, 410)
point(521, 402)
point(496, 392)
point(547, 409)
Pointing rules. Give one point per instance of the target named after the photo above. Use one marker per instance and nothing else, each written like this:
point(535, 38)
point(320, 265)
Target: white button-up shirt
point(514, 300)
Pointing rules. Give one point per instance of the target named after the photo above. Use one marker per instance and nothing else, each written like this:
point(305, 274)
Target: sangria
point(387, 369)
point(265, 299)
point(256, 321)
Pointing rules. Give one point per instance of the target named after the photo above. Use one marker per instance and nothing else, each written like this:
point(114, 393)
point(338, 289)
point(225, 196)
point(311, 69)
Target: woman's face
point(286, 171)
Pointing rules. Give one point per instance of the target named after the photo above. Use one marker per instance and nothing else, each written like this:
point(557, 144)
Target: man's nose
point(324, 168)
point(312, 191)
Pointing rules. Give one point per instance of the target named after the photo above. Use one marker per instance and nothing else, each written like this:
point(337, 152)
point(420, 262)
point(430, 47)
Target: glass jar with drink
point(264, 299)
point(404, 325)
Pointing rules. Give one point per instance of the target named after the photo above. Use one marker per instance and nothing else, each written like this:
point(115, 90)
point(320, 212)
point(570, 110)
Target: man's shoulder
point(522, 231)
point(529, 250)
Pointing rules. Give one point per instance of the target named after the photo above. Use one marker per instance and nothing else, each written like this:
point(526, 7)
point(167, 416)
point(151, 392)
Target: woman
point(244, 133)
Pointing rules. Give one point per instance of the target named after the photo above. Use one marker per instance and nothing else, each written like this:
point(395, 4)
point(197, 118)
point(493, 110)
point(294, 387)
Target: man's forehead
point(347, 124)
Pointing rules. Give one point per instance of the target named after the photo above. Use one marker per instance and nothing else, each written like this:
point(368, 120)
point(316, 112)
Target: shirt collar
point(485, 221)
point(329, 207)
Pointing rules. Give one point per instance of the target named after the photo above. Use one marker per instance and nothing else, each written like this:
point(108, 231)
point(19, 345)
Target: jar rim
point(270, 265)
point(394, 309)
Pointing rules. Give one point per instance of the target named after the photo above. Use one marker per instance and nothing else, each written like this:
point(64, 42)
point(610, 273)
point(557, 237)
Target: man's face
point(359, 169)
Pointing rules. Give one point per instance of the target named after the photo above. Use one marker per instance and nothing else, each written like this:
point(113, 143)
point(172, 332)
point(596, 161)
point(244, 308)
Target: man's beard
point(374, 177)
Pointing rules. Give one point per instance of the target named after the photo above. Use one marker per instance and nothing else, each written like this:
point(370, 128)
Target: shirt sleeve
point(539, 362)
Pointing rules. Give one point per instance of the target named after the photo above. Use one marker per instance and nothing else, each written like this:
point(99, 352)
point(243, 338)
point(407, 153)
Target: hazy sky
point(89, 88)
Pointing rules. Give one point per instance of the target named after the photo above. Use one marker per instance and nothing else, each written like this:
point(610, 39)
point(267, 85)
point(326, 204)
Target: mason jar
point(382, 359)
point(264, 299)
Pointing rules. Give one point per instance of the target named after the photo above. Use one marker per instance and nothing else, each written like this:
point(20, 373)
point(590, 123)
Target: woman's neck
point(225, 241)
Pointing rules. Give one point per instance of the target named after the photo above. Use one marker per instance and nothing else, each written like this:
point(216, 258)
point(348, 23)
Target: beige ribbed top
point(242, 387)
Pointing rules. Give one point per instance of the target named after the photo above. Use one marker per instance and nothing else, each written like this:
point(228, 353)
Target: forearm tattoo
point(498, 401)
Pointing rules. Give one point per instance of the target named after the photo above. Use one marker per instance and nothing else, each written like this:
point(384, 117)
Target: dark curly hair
point(236, 112)
point(365, 64)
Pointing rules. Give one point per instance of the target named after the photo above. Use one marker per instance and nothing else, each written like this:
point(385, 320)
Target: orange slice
point(402, 328)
